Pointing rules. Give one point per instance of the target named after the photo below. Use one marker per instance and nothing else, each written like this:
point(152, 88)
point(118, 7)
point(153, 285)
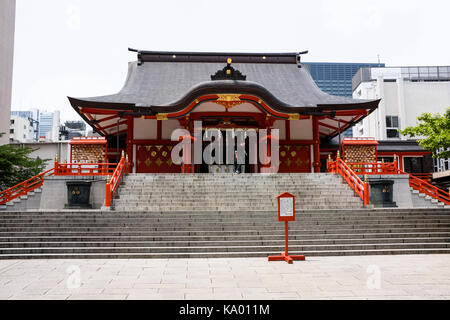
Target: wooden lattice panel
point(88, 153)
point(360, 153)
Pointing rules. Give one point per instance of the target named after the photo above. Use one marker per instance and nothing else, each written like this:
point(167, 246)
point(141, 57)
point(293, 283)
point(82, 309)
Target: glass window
point(392, 133)
point(392, 121)
point(413, 164)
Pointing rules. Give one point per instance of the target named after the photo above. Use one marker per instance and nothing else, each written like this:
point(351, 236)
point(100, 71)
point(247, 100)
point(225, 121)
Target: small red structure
point(286, 213)
point(361, 149)
point(88, 150)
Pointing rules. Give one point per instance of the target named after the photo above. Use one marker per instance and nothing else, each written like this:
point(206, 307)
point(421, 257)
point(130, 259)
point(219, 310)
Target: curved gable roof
point(163, 83)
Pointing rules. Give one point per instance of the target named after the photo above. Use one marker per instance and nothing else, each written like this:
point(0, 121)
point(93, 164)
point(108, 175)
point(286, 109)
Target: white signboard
point(287, 207)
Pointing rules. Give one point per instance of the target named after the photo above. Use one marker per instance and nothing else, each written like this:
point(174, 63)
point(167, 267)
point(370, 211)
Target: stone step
point(224, 227)
point(221, 254)
point(262, 237)
point(69, 213)
point(270, 218)
point(278, 232)
point(206, 224)
point(269, 249)
point(219, 243)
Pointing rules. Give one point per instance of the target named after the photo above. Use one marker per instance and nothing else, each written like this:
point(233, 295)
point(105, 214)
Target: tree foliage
point(16, 165)
point(433, 133)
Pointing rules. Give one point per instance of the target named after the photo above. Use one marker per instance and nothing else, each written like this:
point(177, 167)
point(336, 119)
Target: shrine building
point(165, 91)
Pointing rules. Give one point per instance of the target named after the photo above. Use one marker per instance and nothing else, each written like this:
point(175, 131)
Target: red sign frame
point(286, 218)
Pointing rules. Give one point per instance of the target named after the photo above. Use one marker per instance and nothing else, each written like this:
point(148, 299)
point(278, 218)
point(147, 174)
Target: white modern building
point(405, 93)
point(19, 130)
point(7, 23)
point(32, 117)
point(49, 123)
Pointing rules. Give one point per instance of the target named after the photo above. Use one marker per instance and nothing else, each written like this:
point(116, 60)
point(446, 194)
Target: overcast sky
point(79, 47)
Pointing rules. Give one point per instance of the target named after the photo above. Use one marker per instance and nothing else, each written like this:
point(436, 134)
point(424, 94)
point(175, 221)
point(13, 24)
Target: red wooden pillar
point(316, 144)
point(130, 138)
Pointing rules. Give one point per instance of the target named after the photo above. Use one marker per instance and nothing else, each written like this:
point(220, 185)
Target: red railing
point(417, 181)
point(23, 188)
point(84, 169)
point(113, 183)
point(430, 190)
point(355, 182)
point(371, 168)
point(422, 176)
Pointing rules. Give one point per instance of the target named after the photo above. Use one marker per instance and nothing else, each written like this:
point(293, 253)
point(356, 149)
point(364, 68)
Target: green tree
point(16, 165)
point(433, 133)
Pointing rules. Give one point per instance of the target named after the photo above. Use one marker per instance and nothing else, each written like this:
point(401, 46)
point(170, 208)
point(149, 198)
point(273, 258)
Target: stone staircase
point(29, 201)
point(212, 234)
point(425, 201)
point(232, 192)
point(224, 215)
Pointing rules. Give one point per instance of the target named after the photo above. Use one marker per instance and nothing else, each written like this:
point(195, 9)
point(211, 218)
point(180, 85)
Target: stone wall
point(401, 192)
point(54, 191)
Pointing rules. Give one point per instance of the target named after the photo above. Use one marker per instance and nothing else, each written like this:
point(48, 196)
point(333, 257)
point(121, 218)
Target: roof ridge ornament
point(228, 73)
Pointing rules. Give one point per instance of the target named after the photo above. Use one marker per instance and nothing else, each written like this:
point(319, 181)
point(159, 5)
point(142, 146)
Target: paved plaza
point(350, 277)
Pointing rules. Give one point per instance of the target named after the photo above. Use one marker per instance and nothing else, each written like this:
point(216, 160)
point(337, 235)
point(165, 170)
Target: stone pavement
point(348, 277)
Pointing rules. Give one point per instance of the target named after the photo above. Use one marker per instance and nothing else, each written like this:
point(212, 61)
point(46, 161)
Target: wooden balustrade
point(360, 187)
point(21, 189)
point(113, 182)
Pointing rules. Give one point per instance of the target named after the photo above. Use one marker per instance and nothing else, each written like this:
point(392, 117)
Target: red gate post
point(286, 213)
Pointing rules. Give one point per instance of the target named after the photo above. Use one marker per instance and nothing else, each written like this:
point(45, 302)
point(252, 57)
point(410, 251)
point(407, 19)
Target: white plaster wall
point(369, 125)
point(145, 129)
point(301, 129)
point(48, 150)
point(390, 96)
point(433, 97)
point(245, 107)
point(168, 126)
point(280, 125)
point(209, 107)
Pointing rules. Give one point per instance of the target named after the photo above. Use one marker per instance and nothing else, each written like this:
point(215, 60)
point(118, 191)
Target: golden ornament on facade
point(288, 162)
point(159, 148)
point(283, 153)
point(148, 148)
point(164, 154)
point(170, 148)
point(169, 162)
point(228, 100)
point(299, 162)
point(153, 154)
point(161, 116)
point(158, 162)
point(293, 154)
point(148, 162)
point(294, 116)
